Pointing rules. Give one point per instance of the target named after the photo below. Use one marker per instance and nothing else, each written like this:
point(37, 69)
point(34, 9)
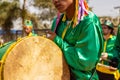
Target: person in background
point(109, 40)
point(107, 53)
point(117, 48)
point(77, 31)
point(28, 27)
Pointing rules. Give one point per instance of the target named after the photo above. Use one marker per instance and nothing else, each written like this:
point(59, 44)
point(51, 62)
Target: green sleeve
point(85, 53)
point(117, 45)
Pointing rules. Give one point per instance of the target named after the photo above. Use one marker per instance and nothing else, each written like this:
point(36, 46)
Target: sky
point(105, 7)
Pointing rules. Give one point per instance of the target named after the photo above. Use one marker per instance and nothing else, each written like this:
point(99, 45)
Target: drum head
point(35, 58)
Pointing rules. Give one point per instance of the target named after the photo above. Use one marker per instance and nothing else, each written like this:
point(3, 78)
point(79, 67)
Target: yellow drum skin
point(34, 58)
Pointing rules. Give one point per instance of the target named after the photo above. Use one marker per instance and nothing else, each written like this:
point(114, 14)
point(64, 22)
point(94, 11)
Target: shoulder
point(55, 19)
point(113, 37)
point(91, 17)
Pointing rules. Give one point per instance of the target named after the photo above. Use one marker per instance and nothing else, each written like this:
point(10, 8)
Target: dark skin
point(67, 6)
point(52, 35)
point(27, 30)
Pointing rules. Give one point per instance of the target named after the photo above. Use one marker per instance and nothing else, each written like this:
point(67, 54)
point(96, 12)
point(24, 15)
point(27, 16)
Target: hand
point(112, 68)
point(104, 56)
point(50, 35)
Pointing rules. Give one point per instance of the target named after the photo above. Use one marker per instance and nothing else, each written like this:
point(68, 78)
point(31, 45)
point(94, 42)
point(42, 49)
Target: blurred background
point(41, 12)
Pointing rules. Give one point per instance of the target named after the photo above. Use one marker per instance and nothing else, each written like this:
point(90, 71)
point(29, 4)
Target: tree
point(10, 11)
point(46, 4)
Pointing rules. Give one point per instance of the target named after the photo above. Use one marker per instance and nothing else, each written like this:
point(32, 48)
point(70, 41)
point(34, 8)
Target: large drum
point(105, 73)
point(32, 58)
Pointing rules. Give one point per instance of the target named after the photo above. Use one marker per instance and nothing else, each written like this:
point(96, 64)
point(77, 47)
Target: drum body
point(4, 48)
point(34, 58)
point(104, 72)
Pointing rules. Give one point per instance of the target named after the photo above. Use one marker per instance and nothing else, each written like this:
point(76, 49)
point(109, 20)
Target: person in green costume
point(28, 27)
point(117, 45)
point(117, 48)
point(77, 31)
point(109, 41)
point(107, 53)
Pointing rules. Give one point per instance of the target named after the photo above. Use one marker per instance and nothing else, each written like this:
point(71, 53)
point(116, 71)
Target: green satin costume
point(81, 45)
point(117, 44)
point(108, 47)
point(117, 47)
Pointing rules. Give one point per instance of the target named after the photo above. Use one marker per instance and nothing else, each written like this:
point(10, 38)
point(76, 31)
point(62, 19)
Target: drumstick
point(113, 62)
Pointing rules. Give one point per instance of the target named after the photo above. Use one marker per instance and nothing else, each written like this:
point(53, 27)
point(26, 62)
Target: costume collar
point(30, 34)
point(111, 36)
